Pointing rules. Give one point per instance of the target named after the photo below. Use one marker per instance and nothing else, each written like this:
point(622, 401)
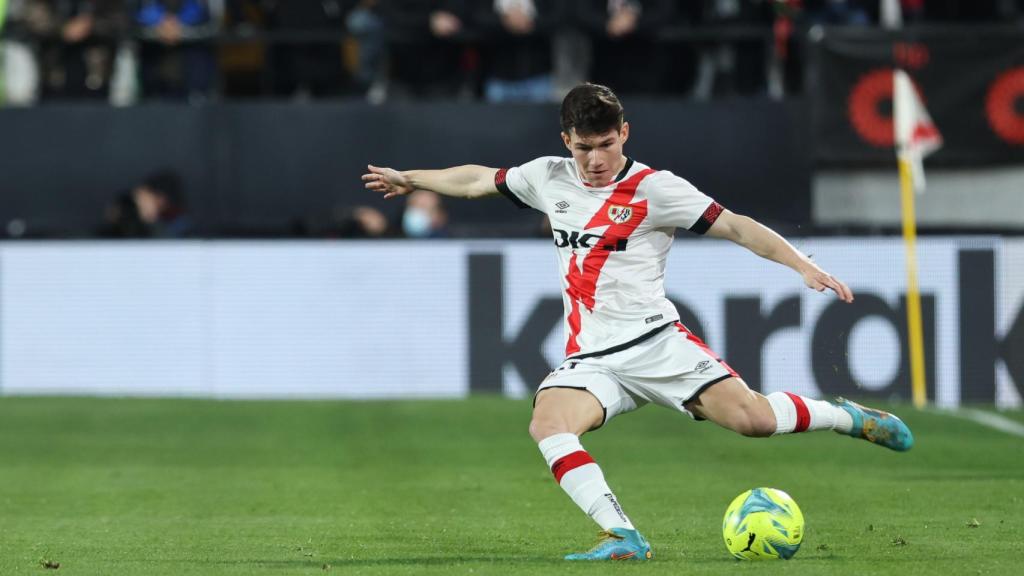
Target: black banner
point(971, 80)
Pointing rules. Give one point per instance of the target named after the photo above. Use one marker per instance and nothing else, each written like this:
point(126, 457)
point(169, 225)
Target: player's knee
point(544, 425)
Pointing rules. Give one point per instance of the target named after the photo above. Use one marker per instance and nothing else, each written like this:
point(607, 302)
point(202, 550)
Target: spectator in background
point(424, 216)
point(79, 62)
point(89, 29)
point(161, 204)
point(176, 63)
point(518, 57)
point(121, 219)
point(23, 22)
point(73, 44)
point(734, 66)
point(244, 69)
point(366, 25)
point(625, 55)
point(309, 69)
point(153, 209)
point(425, 58)
point(360, 222)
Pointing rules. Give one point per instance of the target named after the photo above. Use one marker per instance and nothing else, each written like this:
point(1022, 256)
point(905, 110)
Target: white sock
point(582, 479)
point(801, 414)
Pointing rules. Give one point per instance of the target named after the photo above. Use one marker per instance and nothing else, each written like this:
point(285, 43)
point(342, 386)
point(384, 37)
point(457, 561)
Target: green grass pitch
point(154, 487)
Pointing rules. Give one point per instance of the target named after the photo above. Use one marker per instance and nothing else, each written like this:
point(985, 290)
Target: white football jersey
point(612, 245)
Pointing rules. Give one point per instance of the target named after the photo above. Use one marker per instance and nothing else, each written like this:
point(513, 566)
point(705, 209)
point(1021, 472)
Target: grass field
point(154, 487)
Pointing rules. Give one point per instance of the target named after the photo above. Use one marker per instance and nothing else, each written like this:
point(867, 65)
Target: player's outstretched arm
point(467, 181)
point(766, 243)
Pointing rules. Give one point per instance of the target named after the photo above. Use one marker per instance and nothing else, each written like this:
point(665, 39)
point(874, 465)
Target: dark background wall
point(274, 169)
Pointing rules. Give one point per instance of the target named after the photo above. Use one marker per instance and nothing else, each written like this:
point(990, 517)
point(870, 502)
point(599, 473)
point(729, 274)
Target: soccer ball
point(763, 524)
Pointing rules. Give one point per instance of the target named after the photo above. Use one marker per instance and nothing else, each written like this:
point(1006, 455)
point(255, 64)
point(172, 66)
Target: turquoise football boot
point(877, 427)
point(617, 544)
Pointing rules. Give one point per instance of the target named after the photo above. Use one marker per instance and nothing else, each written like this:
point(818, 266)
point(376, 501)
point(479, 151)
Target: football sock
point(801, 414)
point(582, 479)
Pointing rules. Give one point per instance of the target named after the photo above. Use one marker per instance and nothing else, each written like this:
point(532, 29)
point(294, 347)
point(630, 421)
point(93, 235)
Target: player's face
point(598, 156)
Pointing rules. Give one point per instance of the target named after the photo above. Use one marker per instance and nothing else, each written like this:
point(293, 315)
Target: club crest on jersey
point(620, 214)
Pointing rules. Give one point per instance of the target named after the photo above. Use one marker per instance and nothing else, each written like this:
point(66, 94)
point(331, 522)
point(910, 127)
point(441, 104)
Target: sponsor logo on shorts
point(650, 319)
point(703, 366)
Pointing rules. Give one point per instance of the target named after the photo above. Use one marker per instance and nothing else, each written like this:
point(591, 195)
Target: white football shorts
point(670, 369)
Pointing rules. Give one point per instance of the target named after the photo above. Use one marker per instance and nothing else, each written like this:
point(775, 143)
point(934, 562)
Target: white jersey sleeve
point(674, 202)
point(523, 184)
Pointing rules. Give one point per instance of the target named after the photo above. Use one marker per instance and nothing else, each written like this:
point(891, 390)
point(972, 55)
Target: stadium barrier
point(444, 319)
point(274, 169)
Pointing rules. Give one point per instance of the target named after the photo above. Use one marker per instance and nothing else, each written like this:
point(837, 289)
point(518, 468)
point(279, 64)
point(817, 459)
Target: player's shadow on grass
point(446, 560)
point(399, 561)
point(811, 559)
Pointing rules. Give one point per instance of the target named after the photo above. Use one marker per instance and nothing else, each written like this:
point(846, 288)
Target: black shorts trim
point(604, 410)
point(704, 387)
point(623, 346)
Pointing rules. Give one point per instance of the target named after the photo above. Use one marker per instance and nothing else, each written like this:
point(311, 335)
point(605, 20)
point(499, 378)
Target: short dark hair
point(591, 109)
point(167, 183)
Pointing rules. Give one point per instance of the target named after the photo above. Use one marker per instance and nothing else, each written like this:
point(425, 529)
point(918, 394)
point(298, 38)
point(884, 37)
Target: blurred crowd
point(124, 51)
point(157, 207)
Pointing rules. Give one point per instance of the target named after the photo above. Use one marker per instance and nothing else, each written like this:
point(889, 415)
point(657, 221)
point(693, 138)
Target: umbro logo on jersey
point(702, 366)
point(620, 214)
point(562, 206)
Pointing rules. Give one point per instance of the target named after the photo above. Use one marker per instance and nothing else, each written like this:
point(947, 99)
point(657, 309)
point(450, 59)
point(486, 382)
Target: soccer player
point(613, 220)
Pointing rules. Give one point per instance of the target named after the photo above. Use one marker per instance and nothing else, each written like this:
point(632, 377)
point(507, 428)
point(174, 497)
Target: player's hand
point(387, 180)
point(819, 280)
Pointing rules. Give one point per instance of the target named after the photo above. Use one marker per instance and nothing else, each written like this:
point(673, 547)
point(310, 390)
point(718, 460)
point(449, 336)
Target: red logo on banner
point(864, 108)
point(1001, 106)
point(912, 55)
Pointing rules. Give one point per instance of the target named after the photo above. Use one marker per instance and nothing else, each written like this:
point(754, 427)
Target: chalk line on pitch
point(989, 420)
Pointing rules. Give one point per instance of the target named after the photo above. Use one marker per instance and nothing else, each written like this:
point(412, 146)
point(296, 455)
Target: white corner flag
point(916, 134)
point(916, 137)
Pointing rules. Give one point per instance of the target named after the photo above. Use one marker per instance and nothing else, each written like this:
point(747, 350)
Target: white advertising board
point(400, 319)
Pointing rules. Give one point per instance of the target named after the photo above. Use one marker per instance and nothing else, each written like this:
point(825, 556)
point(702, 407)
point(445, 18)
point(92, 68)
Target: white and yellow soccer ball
point(763, 524)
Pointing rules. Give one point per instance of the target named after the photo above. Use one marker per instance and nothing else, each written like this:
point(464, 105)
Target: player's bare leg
point(733, 405)
point(564, 410)
point(560, 417)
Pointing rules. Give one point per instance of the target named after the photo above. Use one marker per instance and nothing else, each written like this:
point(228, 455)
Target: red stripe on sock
point(570, 462)
point(803, 415)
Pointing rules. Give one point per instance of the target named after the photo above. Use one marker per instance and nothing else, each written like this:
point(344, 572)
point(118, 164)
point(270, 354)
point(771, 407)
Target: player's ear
point(624, 132)
point(567, 140)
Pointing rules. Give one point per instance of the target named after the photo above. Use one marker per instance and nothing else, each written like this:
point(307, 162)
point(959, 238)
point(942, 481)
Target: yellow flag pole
point(915, 331)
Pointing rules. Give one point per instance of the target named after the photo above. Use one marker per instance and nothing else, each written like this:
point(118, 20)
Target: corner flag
point(916, 137)
point(916, 134)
